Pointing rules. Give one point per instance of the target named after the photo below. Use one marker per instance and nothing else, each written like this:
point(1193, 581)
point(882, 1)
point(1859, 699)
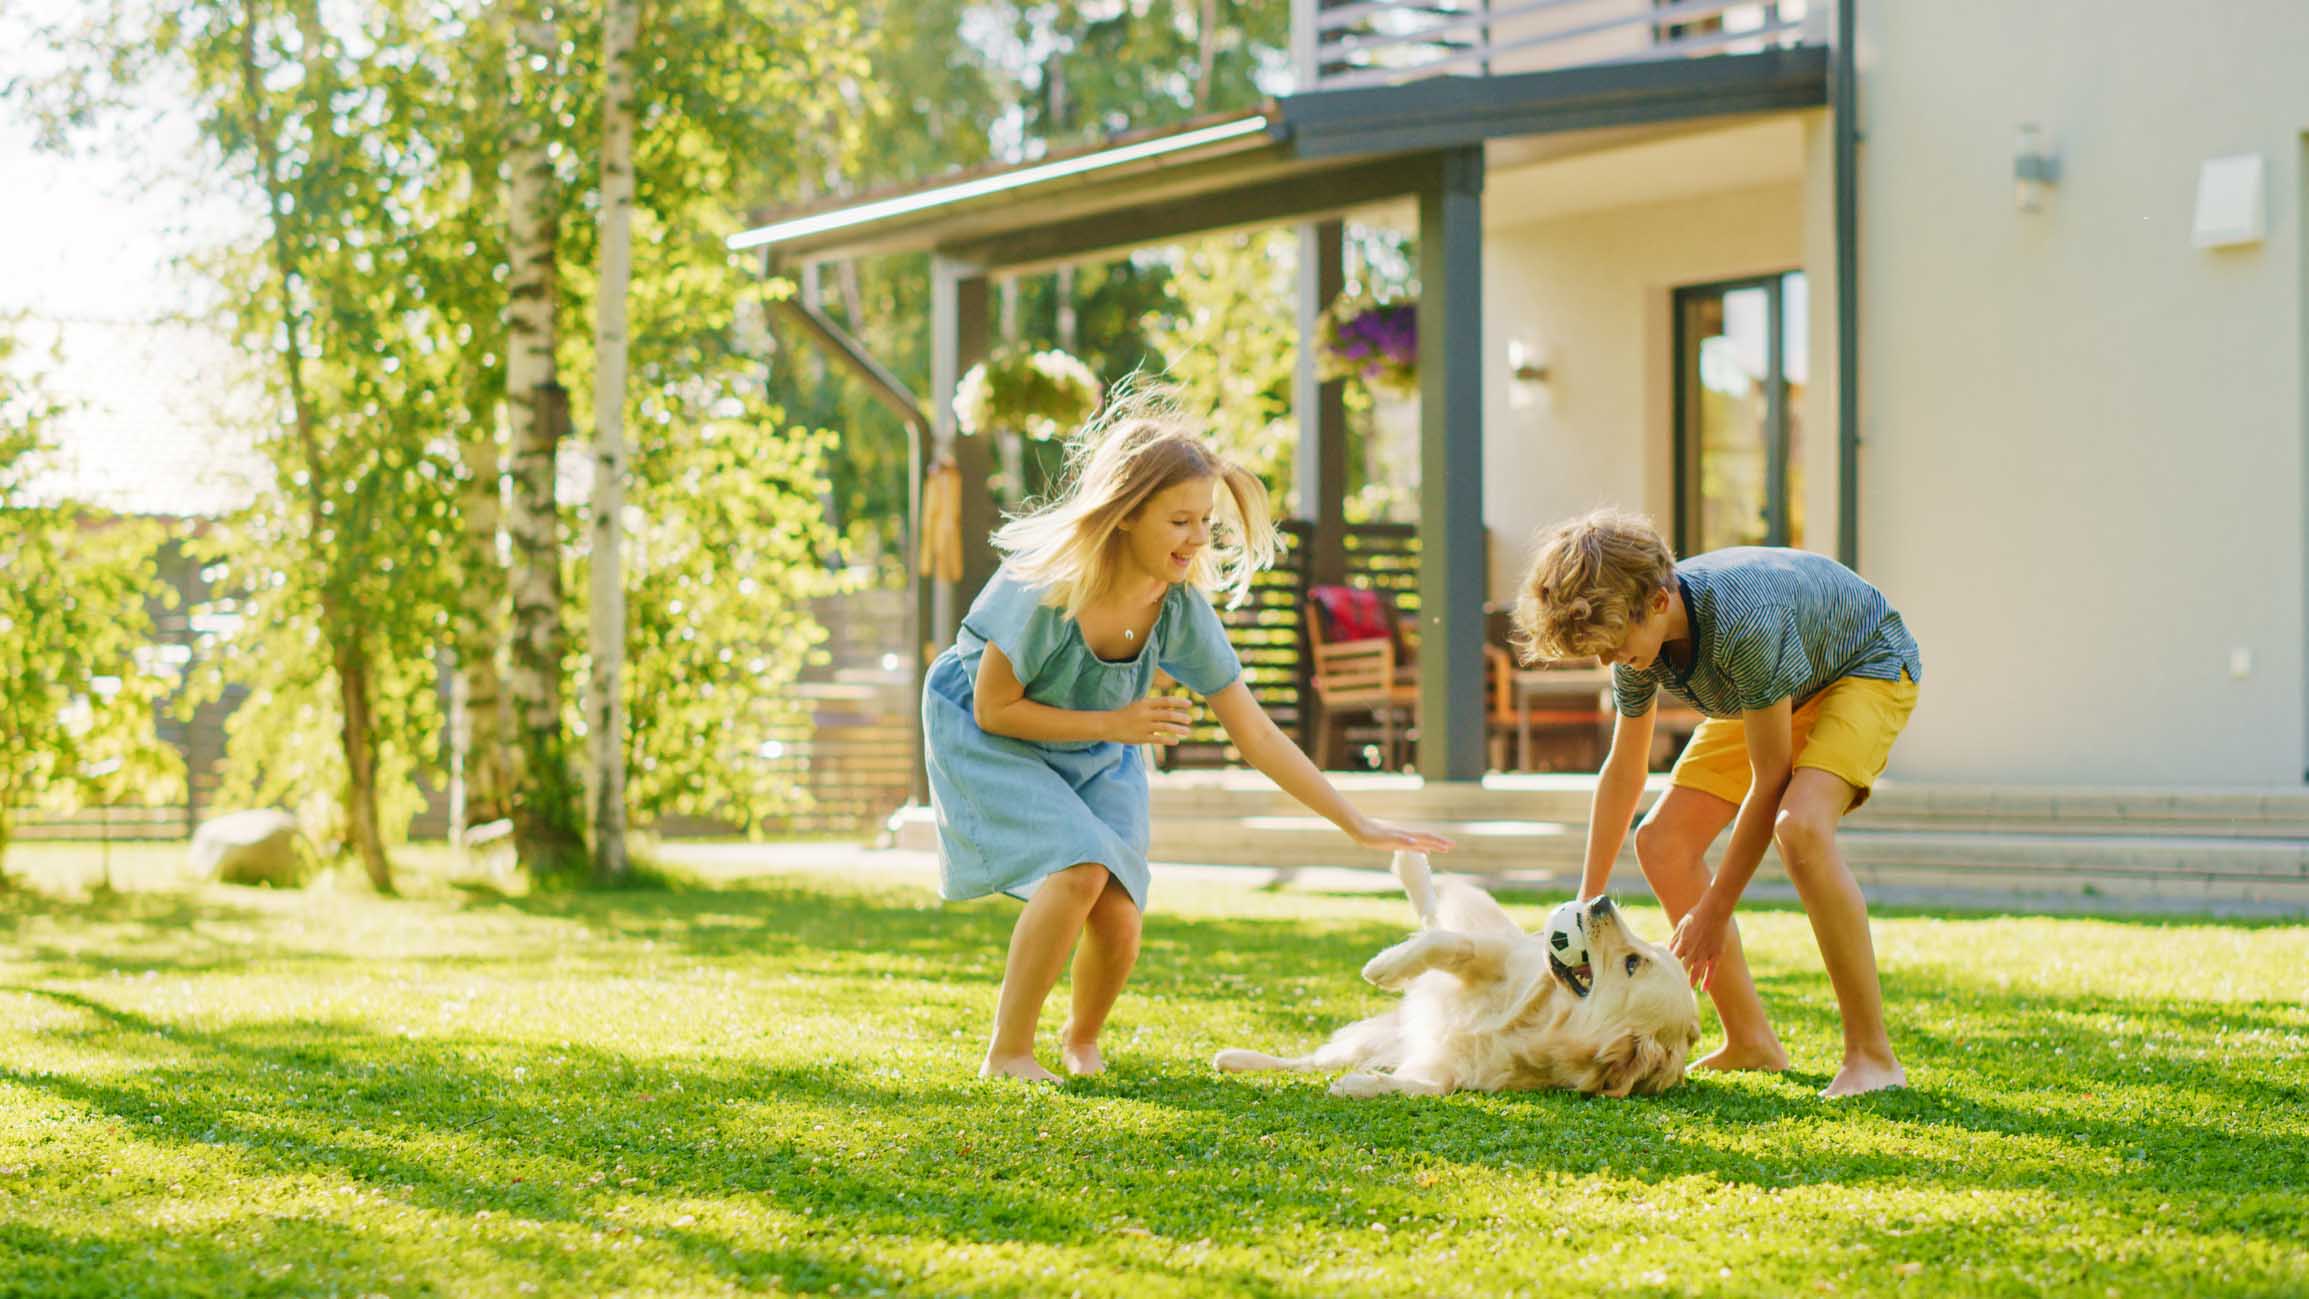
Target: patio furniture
point(1558, 695)
point(1580, 695)
point(1357, 663)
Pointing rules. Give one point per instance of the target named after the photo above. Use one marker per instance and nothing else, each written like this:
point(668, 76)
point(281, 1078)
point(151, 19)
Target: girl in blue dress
point(1033, 720)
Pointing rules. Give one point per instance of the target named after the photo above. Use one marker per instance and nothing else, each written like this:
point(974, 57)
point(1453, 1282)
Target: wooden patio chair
point(1365, 675)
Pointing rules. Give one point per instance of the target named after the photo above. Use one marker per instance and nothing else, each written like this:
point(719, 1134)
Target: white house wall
point(2083, 467)
point(1589, 295)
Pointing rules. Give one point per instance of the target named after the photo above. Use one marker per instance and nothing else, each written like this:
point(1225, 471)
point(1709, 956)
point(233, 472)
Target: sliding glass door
point(1740, 369)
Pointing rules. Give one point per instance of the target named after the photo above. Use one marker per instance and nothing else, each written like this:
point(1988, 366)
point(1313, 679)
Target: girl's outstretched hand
point(1383, 834)
point(1155, 719)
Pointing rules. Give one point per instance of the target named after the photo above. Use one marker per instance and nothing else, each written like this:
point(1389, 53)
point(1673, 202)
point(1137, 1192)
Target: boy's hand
point(1395, 838)
point(1699, 938)
point(1156, 719)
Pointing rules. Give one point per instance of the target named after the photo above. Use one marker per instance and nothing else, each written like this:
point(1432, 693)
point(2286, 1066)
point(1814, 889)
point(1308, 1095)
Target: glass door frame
point(1687, 443)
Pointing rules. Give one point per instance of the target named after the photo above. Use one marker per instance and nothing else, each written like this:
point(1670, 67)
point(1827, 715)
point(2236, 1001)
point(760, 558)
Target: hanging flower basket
point(1040, 394)
point(1376, 342)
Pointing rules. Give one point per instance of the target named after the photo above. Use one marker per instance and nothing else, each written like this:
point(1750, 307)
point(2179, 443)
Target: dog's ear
point(1631, 1061)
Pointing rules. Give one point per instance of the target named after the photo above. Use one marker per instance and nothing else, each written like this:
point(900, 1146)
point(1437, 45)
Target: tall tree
point(548, 833)
point(606, 725)
point(288, 229)
point(333, 592)
point(443, 281)
point(446, 101)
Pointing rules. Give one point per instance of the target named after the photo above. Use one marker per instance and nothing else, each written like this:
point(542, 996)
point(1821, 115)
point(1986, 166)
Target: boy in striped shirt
point(1806, 676)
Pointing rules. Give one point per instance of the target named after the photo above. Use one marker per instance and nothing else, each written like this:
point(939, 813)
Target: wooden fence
point(850, 758)
point(1269, 630)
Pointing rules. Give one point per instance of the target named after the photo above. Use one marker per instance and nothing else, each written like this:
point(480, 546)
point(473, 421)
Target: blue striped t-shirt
point(1770, 624)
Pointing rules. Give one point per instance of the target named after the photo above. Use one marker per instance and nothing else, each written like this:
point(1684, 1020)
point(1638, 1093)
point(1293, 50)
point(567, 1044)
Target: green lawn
point(765, 1086)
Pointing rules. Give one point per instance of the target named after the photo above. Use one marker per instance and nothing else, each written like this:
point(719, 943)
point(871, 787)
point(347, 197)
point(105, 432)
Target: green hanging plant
point(1042, 395)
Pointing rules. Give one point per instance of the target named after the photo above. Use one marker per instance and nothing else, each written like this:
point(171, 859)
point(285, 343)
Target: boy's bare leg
point(1806, 835)
point(1038, 945)
point(1671, 846)
point(1101, 965)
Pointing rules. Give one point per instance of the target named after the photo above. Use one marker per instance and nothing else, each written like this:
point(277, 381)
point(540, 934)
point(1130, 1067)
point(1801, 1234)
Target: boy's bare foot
point(1767, 1057)
point(1082, 1060)
point(1860, 1076)
point(1023, 1067)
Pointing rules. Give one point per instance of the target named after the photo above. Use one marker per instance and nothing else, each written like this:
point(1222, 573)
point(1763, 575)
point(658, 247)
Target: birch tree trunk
point(546, 816)
point(606, 728)
point(480, 773)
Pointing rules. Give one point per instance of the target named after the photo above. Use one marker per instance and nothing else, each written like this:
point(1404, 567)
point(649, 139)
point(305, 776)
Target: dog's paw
point(1392, 968)
point(1418, 881)
point(1361, 1086)
point(1236, 1060)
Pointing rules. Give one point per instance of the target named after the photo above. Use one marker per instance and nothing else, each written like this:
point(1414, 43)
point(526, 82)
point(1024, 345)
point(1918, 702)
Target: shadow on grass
point(446, 1125)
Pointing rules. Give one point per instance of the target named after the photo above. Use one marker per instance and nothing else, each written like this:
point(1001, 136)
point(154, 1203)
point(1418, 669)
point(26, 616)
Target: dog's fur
point(1483, 1012)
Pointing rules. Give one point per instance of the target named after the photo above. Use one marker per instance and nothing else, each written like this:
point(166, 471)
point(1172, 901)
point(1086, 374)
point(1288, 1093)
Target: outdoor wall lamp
point(1523, 361)
point(2035, 167)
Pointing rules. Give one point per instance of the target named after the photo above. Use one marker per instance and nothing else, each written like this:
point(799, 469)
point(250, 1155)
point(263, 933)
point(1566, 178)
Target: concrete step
point(1491, 846)
point(2248, 813)
point(2220, 852)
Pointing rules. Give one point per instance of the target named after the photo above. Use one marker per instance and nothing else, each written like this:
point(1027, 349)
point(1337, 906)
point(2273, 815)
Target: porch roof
point(1295, 157)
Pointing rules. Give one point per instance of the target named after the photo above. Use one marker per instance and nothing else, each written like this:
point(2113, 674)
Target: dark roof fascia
point(1340, 144)
point(917, 229)
point(1297, 195)
point(1453, 112)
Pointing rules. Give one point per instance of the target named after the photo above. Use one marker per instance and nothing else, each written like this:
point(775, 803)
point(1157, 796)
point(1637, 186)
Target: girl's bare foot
point(1766, 1056)
point(1082, 1059)
point(1861, 1075)
point(1019, 1066)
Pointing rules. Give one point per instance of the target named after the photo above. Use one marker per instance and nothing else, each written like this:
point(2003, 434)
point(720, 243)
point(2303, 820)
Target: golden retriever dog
point(1485, 1007)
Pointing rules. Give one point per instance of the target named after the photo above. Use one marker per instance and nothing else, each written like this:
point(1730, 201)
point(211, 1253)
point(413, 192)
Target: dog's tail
point(1418, 880)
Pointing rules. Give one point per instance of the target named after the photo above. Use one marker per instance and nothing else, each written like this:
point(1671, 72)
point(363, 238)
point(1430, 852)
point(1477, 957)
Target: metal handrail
point(1461, 36)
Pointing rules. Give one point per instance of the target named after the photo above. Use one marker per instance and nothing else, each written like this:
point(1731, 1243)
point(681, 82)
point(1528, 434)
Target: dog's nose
point(1602, 908)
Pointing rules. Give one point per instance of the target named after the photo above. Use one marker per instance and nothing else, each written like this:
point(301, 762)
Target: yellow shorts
point(1846, 730)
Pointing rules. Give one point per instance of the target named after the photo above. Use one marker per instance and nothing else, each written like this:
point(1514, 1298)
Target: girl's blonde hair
point(1587, 583)
point(1140, 445)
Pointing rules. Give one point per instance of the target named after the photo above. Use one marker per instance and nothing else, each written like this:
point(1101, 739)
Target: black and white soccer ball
point(1566, 939)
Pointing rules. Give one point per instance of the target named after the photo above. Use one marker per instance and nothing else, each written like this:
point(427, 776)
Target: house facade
point(2081, 460)
point(2002, 304)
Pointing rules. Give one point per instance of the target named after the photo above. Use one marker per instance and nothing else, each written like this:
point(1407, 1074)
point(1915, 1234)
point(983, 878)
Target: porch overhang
point(1303, 158)
point(1294, 158)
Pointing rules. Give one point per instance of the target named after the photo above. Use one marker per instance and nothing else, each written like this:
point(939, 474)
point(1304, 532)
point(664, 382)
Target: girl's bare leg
point(1102, 962)
point(1038, 945)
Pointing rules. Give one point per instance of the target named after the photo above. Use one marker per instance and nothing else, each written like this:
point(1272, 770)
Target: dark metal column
point(1451, 558)
point(1844, 94)
point(1321, 407)
point(958, 334)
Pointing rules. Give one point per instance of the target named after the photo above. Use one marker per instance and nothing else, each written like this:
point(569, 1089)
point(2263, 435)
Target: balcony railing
point(1342, 43)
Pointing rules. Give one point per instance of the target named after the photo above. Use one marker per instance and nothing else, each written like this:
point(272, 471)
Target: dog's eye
point(1633, 962)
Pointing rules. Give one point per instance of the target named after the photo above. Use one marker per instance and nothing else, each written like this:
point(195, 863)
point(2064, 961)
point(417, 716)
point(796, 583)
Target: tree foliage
point(1232, 345)
point(79, 688)
point(370, 304)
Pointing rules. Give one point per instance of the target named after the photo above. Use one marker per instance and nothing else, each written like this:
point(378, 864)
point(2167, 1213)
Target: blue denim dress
point(1013, 812)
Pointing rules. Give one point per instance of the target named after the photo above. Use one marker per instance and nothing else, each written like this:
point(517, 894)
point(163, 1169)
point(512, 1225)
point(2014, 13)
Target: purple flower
point(1378, 343)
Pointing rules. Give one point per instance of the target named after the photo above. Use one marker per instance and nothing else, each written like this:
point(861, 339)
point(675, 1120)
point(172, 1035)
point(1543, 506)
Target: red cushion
point(1351, 613)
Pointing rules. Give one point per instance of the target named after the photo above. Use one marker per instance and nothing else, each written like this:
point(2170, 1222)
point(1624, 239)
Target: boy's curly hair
point(1588, 583)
